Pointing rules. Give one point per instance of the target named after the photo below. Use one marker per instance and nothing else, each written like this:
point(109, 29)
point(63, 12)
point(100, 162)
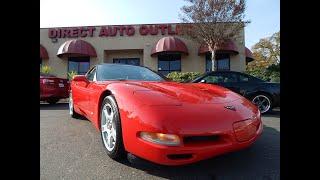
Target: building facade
point(160, 47)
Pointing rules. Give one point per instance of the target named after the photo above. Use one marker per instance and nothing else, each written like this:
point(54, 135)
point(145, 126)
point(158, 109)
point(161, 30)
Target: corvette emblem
point(230, 108)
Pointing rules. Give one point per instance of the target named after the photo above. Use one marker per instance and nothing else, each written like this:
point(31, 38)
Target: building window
point(80, 65)
point(223, 62)
point(168, 63)
point(131, 61)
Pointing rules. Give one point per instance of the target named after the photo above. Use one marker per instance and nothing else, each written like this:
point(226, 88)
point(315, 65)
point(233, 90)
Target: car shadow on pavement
point(273, 113)
point(260, 161)
point(58, 106)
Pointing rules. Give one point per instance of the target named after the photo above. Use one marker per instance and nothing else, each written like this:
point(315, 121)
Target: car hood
point(172, 93)
point(273, 83)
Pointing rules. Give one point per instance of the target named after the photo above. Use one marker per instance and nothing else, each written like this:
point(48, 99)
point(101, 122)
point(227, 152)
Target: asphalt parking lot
point(72, 149)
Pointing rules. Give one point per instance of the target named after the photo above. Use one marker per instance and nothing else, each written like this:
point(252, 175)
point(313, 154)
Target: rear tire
point(52, 101)
point(110, 126)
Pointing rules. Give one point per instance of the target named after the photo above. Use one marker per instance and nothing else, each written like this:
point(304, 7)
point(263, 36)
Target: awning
point(229, 47)
point(76, 48)
point(169, 44)
point(43, 53)
point(249, 56)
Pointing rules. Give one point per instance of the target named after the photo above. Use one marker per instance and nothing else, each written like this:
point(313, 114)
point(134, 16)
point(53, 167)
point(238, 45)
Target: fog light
point(160, 138)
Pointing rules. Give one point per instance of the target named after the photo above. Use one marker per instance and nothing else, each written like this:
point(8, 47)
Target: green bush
point(45, 69)
point(71, 74)
point(272, 73)
point(275, 77)
point(182, 76)
point(258, 72)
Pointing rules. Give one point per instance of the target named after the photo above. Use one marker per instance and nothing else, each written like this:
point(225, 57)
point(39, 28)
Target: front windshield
point(126, 72)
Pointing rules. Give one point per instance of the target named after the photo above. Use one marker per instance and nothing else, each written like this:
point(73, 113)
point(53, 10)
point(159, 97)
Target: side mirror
point(80, 78)
point(203, 81)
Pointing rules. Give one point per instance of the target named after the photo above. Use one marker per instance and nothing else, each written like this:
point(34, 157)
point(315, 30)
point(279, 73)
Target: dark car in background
point(52, 88)
point(266, 95)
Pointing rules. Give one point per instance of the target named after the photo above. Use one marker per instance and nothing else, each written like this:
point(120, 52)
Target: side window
point(231, 78)
point(216, 78)
point(221, 78)
point(243, 78)
point(91, 75)
point(254, 79)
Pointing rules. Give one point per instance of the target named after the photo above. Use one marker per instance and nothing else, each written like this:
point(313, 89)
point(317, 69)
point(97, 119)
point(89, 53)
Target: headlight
point(160, 138)
point(258, 114)
point(245, 130)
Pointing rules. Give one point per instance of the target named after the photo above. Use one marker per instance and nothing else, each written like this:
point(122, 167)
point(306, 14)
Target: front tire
point(110, 125)
point(263, 102)
point(52, 101)
point(72, 113)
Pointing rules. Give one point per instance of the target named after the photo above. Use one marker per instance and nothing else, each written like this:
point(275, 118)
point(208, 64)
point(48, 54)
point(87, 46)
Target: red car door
point(93, 89)
point(80, 96)
point(85, 92)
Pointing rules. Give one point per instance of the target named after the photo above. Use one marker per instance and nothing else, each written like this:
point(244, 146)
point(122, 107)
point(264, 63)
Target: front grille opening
point(199, 139)
point(179, 156)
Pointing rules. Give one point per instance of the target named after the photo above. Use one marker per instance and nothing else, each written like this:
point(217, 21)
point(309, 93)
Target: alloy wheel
point(263, 103)
point(70, 105)
point(108, 128)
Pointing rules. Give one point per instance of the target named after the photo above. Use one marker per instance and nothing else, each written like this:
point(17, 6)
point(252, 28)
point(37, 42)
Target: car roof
point(223, 72)
point(121, 65)
point(215, 72)
point(235, 72)
point(116, 64)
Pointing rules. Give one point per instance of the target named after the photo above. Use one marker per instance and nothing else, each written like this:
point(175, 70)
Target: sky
point(263, 14)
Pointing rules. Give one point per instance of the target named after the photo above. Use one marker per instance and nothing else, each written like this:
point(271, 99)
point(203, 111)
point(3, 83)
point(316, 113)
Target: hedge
point(182, 76)
point(272, 73)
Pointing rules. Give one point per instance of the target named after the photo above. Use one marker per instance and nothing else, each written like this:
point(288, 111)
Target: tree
point(266, 52)
point(214, 22)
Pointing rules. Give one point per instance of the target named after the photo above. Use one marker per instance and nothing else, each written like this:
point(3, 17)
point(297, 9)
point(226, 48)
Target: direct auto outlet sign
point(123, 30)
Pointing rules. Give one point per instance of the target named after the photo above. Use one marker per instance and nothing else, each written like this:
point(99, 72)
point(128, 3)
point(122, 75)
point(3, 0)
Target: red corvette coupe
point(140, 112)
point(52, 88)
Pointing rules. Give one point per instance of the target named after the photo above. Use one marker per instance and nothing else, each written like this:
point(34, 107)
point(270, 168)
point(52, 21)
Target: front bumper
point(186, 154)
